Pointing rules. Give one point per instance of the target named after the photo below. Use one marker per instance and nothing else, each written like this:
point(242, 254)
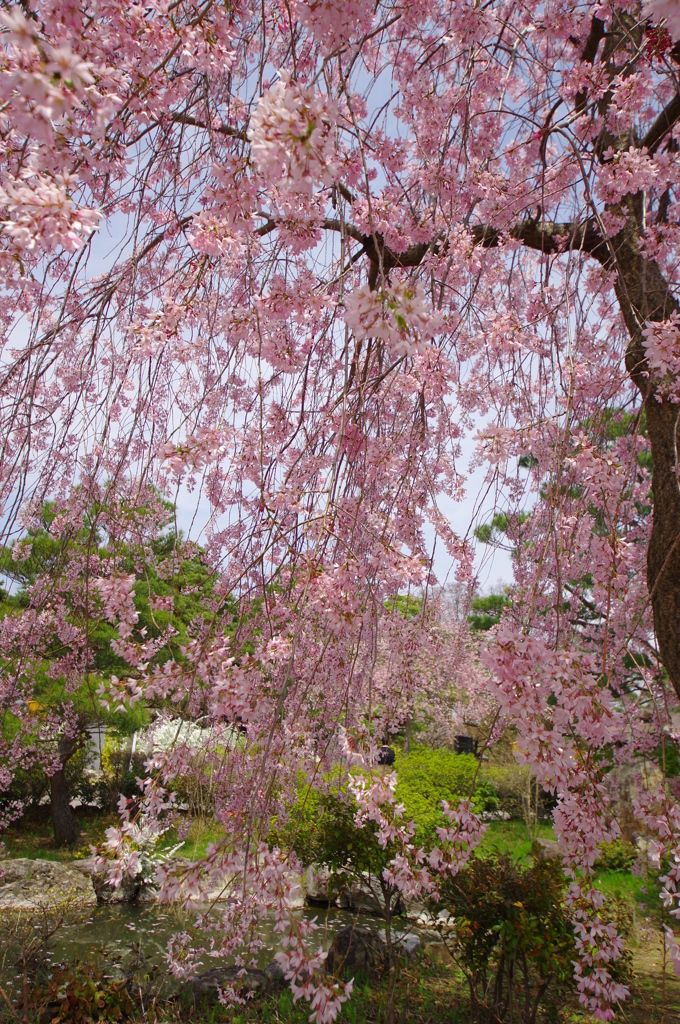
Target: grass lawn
point(512, 837)
point(203, 831)
point(32, 835)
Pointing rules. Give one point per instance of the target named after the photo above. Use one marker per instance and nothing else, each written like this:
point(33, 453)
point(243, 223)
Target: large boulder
point(407, 944)
point(29, 884)
point(362, 896)
point(206, 987)
point(547, 849)
point(127, 892)
point(357, 953)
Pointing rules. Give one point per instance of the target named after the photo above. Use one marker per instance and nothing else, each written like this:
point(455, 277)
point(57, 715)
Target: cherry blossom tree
point(288, 259)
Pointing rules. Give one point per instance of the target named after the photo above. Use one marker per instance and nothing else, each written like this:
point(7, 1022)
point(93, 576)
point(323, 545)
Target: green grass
point(512, 837)
point(32, 835)
point(642, 893)
point(203, 831)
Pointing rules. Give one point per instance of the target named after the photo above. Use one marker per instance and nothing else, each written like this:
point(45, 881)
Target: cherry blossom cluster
point(333, 22)
point(292, 136)
point(399, 316)
point(662, 346)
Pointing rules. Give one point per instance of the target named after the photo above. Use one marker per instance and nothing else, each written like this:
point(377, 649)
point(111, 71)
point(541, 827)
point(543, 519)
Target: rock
point(206, 987)
point(445, 922)
point(317, 882)
point(147, 894)
point(27, 884)
point(359, 897)
point(548, 849)
point(325, 888)
point(356, 952)
point(275, 976)
point(626, 783)
point(406, 943)
point(127, 892)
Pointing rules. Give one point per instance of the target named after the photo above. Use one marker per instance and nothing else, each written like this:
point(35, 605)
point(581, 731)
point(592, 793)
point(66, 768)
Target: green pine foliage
point(487, 611)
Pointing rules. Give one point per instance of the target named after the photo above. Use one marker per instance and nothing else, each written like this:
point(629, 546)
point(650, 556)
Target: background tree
point(62, 668)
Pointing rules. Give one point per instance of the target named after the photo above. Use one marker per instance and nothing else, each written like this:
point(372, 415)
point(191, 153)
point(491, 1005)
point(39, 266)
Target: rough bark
point(644, 295)
point(63, 822)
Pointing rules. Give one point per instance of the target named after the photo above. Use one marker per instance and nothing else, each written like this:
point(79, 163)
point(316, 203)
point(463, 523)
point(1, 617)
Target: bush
point(426, 777)
point(513, 783)
point(617, 856)
point(512, 939)
point(28, 787)
point(82, 992)
point(120, 773)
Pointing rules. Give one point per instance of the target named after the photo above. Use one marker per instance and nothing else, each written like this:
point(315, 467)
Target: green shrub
point(512, 938)
point(120, 772)
point(617, 856)
point(28, 786)
point(426, 777)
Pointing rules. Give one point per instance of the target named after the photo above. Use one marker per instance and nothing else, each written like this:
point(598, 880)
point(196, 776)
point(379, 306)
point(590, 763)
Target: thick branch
point(593, 41)
point(548, 237)
point(663, 124)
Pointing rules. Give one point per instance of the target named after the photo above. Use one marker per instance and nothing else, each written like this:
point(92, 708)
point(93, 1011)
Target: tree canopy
point(294, 262)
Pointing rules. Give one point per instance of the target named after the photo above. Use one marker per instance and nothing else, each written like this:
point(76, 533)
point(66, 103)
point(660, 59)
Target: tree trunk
point(644, 296)
point(407, 736)
point(63, 822)
point(391, 961)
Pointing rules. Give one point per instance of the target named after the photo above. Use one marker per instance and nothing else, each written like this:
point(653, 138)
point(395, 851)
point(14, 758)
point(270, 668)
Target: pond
point(108, 932)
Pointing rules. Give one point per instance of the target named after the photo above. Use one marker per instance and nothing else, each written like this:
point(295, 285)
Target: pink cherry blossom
point(291, 136)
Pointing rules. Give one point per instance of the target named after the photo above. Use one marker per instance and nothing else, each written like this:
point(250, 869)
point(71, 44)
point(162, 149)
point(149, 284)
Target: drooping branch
point(644, 295)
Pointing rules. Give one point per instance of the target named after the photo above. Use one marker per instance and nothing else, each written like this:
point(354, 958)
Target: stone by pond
point(25, 883)
point(29, 884)
point(206, 987)
point(325, 889)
